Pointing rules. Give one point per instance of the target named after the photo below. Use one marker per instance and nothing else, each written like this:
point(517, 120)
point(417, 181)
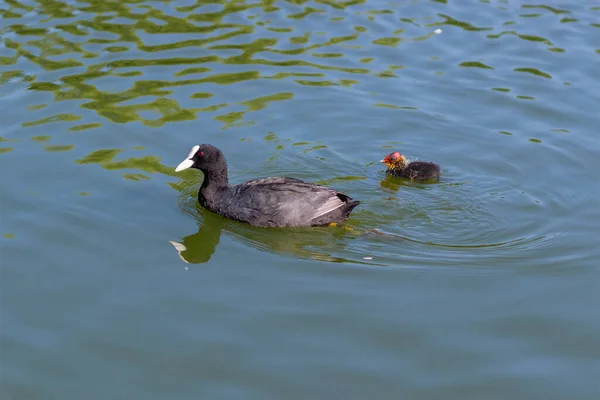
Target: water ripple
point(488, 276)
point(96, 65)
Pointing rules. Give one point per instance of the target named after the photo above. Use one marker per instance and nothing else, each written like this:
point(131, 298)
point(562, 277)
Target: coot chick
point(266, 202)
point(414, 170)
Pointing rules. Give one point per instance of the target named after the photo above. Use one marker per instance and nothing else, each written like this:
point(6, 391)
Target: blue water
point(114, 283)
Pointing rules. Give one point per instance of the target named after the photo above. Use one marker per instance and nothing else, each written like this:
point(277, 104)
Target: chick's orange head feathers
point(392, 158)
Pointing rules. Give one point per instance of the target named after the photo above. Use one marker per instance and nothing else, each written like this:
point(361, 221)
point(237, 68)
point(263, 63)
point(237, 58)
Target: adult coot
point(414, 170)
point(266, 202)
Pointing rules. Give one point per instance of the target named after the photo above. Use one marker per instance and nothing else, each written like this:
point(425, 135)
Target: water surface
point(116, 284)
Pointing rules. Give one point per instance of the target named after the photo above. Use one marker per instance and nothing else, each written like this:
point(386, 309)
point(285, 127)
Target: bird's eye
point(201, 153)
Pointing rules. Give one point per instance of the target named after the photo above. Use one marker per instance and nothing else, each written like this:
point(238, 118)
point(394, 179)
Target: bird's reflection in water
point(394, 184)
point(318, 243)
point(197, 248)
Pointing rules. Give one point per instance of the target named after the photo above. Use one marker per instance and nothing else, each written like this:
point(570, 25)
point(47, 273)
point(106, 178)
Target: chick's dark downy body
point(266, 202)
point(415, 170)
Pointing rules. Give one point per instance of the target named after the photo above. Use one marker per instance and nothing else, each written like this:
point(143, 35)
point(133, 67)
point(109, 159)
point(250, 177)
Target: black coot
point(266, 202)
point(414, 170)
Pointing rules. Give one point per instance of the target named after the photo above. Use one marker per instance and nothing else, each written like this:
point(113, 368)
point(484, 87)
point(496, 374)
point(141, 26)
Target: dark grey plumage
point(414, 170)
point(266, 202)
point(417, 171)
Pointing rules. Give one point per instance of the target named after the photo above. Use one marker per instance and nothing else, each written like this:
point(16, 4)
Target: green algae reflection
point(95, 42)
point(106, 159)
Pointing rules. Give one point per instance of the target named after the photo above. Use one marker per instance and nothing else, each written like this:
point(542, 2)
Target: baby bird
point(414, 170)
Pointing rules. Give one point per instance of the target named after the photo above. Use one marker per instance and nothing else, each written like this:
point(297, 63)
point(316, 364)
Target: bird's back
point(282, 201)
point(420, 170)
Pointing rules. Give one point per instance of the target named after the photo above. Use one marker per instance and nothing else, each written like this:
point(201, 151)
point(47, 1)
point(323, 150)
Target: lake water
point(115, 284)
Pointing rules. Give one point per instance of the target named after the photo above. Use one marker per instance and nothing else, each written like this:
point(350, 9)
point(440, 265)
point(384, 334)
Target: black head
point(202, 157)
